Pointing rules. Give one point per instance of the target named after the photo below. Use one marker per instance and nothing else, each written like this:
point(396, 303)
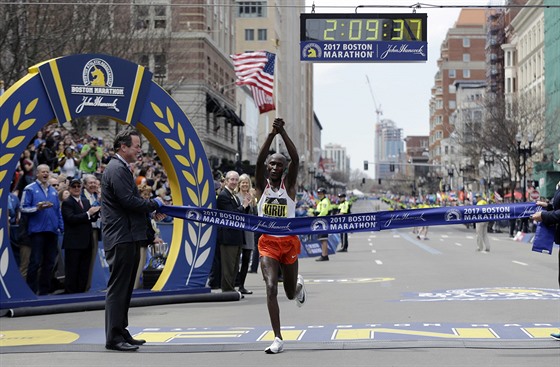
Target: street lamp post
point(524, 152)
point(488, 161)
point(311, 170)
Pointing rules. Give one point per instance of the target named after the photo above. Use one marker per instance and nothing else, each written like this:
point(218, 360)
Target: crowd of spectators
point(70, 157)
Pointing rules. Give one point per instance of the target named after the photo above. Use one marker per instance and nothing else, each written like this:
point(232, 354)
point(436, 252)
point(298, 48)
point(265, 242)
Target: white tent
point(357, 193)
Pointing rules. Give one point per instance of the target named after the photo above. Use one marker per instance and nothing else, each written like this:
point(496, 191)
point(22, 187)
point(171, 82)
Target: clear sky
point(342, 99)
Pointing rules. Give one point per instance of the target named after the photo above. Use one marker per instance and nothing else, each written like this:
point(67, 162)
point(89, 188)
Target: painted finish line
point(307, 333)
point(375, 221)
point(485, 294)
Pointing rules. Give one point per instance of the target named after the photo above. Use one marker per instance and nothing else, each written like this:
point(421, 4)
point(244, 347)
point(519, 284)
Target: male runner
point(276, 191)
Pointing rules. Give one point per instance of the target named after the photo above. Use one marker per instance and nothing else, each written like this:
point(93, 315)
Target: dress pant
point(44, 251)
point(123, 263)
point(76, 266)
point(482, 242)
point(95, 244)
point(230, 266)
point(344, 240)
point(215, 276)
point(244, 268)
point(255, 255)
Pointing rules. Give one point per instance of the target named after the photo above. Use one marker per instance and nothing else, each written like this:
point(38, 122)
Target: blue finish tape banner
point(375, 221)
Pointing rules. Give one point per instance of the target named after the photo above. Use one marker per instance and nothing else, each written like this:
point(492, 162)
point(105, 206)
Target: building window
point(452, 104)
point(477, 116)
point(160, 17)
point(452, 73)
point(466, 42)
point(249, 35)
point(102, 124)
point(160, 66)
point(466, 57)
point(151, 17)
point(262, 34)
point(157, 63)
point(452, 88)
point(252, 9)
point(466, 73)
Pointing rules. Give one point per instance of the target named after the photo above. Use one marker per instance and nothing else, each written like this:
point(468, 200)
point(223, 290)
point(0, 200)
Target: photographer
point(90, 156)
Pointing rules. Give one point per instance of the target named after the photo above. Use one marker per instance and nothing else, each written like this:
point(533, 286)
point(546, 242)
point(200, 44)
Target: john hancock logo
point(97, 89)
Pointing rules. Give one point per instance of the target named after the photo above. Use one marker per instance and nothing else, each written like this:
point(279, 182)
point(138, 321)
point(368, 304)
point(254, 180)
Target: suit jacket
point(551, 217)
point(226, 201)
point(123, 210)
point(77, 225)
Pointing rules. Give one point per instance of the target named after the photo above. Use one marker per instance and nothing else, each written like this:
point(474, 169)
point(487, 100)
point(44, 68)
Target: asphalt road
point(392, 300)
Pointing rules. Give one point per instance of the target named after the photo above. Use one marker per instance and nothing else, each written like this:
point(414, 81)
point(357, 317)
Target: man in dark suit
point(78, 215)
point(123, 217)
point(550, 216)
point(230, 240)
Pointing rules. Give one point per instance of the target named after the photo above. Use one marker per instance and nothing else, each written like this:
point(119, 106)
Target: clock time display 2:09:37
point(347, 29)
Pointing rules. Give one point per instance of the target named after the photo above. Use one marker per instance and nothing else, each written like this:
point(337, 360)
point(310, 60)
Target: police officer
point(322, 210)
point(343, 208)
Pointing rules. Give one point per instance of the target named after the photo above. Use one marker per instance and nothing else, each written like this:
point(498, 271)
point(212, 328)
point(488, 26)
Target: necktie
point(80, 202)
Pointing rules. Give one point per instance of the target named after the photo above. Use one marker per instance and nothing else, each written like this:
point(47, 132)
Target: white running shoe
point(277, 346)
point(302, 295)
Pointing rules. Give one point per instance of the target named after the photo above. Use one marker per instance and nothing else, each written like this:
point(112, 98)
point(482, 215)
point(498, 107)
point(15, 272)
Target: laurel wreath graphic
point(8, 142)
point(198, 188)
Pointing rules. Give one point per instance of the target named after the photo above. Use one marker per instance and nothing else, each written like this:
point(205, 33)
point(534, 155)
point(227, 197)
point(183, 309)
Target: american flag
point(256, 69)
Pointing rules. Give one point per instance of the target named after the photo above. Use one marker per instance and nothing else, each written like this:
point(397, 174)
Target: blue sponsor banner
point(356, 51)
point(363, 222)
point(90, 84)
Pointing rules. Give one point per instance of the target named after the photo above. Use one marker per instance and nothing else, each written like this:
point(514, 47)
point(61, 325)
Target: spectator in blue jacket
point(40, 202)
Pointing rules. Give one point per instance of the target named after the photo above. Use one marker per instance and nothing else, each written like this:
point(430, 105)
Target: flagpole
point(275, 91)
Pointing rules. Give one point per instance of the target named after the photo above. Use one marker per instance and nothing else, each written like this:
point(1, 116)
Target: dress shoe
point(322, 258)
point(122, 347)
point(245, 291)
point(133, 341)
point(342, 250)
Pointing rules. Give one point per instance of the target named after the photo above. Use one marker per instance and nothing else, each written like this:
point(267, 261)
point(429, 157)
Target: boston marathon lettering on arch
point(362, 222)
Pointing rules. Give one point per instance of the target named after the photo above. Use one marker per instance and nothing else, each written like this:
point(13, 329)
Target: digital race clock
point(363, 37)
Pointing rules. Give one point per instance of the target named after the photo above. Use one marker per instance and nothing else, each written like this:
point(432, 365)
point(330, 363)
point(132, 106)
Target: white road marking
point(379, 262)
point(519, 262)
point(458, 244)
point(373, 251)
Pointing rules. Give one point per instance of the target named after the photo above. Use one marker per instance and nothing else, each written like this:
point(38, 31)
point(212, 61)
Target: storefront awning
point(213, 105)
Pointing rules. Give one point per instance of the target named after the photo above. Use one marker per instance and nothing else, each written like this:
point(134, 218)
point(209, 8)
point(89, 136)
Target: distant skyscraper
point(389, 147)
point(336, 158)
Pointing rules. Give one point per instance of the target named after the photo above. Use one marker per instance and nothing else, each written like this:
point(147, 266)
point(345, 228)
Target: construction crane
point(378, 110)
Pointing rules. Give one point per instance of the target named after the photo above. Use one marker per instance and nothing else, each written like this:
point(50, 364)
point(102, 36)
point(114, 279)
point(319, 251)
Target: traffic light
point(365, 165)
point(392, 167)
point(363, 180)
point(379, 181)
